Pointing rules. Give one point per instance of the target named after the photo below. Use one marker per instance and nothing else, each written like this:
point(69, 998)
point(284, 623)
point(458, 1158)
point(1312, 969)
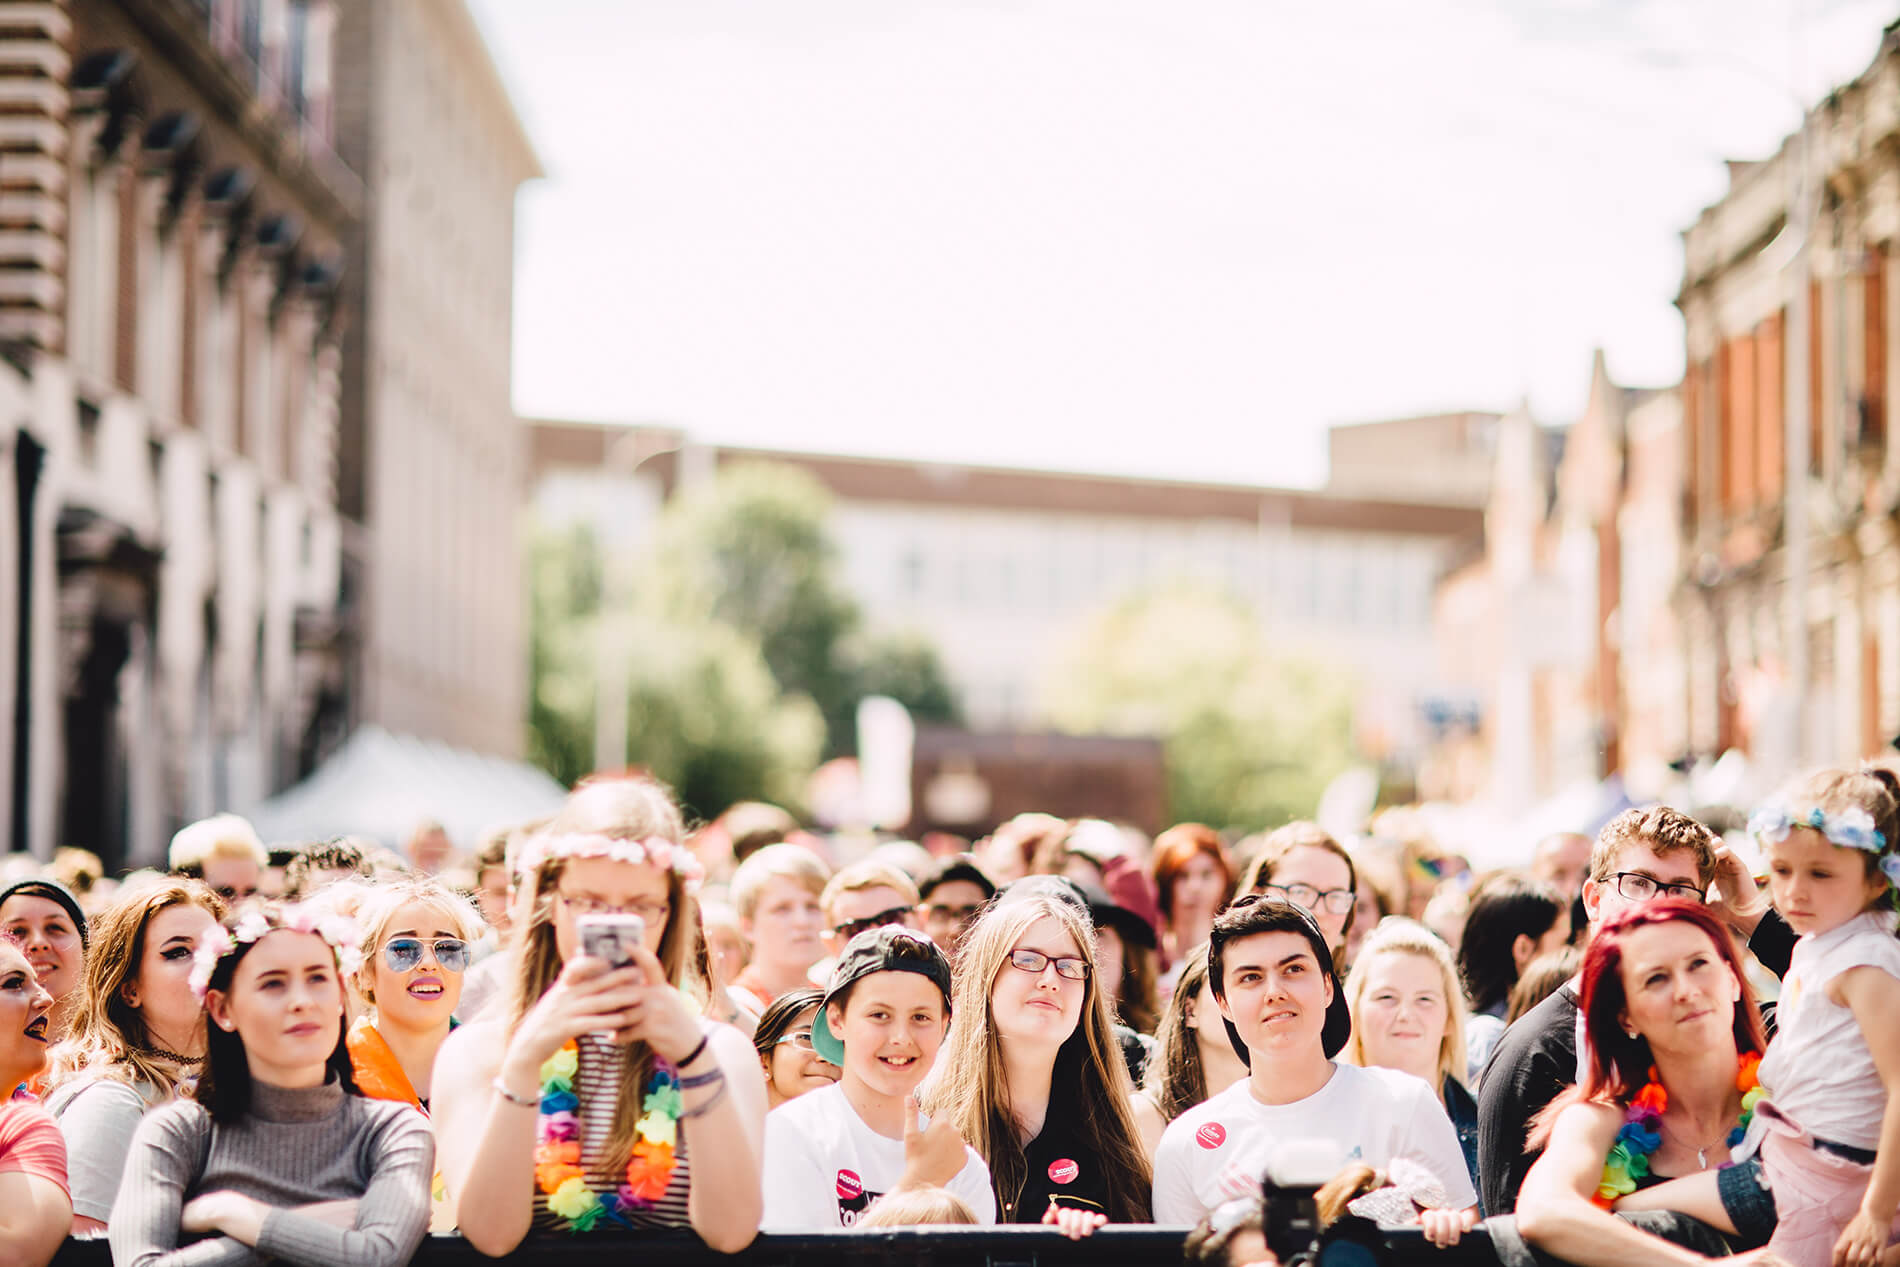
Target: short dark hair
point(1261, 915)
point(779, 1016)
point(324, 855)
point(1504, 907)
point(958, 867)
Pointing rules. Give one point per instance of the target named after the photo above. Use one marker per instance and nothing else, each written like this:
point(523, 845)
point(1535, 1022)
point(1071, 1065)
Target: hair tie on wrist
point(695, 1054)
point(525, 1101)
point(703, 1079)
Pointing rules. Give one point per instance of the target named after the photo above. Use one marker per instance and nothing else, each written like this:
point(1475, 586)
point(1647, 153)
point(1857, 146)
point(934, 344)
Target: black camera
point(1291, 1220)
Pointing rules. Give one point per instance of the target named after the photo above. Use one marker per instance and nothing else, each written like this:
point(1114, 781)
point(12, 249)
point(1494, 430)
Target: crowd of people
point(1629, 1050)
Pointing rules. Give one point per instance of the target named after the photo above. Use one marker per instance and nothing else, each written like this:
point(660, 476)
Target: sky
point(1159, 237)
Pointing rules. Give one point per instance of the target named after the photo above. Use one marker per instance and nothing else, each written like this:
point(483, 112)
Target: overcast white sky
point(1171, 237)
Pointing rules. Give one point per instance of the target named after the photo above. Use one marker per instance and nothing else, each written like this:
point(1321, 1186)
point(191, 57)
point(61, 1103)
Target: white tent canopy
point(381, 785)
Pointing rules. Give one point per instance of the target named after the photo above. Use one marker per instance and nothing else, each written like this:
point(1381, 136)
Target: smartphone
point(611, 937)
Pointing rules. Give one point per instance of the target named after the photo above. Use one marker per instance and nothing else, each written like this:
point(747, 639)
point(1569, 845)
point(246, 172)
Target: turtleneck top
point(296, 1147)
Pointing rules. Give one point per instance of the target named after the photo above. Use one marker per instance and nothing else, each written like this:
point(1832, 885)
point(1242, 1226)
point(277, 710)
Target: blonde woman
point(543, 1112)
point(138, 1037)
point(1193, 1058)
point(1033, 1078)
point(416, 939)
point(1408, 1014)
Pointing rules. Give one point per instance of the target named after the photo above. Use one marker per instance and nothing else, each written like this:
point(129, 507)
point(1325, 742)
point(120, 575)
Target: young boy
point(830, 1154)
point(1272, 976)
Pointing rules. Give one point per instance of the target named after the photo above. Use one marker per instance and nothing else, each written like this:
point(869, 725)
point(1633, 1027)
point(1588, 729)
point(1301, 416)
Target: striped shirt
point(597, 1083)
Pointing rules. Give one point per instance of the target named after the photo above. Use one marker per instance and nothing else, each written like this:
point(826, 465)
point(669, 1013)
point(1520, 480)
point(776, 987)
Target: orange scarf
point(378, 1073)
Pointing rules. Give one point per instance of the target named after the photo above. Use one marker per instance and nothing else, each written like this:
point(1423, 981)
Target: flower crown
point(1848, 828)
point(653, 851)
point(336, 929)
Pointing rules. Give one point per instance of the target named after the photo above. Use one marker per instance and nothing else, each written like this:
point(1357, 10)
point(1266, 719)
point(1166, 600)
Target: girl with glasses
point(602, 1098)
point(138, 1038)
point(1033, 1076)
point(783, 1040)
point(1303, 864)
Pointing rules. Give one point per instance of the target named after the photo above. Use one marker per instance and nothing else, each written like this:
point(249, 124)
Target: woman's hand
point(588, 996)
point(1861, 1241)
point(232, 1213)
point(1072, 1222)
point(660, 1016)
point(1443, 1227)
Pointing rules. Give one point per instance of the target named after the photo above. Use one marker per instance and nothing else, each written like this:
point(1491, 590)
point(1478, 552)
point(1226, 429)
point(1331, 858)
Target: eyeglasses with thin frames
point(1335, 901)
point(1638, 887)
point(589, 904)
point(1034, 961)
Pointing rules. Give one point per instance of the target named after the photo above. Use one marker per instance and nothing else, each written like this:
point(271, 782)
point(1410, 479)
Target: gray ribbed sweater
point(294, 1148)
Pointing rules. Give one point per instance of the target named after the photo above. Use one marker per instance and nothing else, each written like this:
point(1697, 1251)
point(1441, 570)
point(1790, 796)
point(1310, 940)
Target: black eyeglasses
point(404, 953)
point(1034, 961)
point(1638, 887)
point(1336, 901)
point(895, 915)
point(936, 913)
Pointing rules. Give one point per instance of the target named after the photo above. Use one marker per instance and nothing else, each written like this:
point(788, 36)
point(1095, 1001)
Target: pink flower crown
point(654, 851)
point(338, 930)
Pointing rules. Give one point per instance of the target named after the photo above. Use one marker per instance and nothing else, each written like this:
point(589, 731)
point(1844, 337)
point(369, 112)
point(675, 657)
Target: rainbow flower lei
point(557, 1150)
point(1641, 1133)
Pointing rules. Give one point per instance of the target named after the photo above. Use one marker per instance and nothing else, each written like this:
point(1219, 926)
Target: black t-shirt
point(1534, 1061)
point(1059, 1168)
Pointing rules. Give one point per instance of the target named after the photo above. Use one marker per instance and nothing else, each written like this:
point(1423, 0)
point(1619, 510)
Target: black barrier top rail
point(1115, 1246)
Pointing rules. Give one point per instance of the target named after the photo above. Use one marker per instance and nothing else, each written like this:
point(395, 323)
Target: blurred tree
point(1251, 737)
point(749, 549)
point(705, 713)
point(907, 668)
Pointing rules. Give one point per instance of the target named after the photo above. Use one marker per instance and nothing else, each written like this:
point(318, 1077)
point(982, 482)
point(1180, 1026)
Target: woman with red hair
point(1193, 880)
point(1673, 1037)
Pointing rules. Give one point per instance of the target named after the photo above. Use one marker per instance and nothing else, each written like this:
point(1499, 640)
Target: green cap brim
point(823, 1041)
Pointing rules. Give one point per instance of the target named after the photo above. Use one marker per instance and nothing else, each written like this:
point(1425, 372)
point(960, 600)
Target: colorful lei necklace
point(1641, 1133)
point(557, 1150)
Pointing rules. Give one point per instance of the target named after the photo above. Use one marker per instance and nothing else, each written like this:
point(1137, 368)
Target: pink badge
point(849, 1186)
point(1211, 1136)
point(1064, 1170)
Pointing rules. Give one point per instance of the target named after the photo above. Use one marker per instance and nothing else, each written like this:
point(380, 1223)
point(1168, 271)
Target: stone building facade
point(173, 217)
point(432, 455)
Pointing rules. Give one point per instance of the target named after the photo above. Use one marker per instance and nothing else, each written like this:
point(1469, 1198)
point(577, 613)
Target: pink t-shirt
point(30, 1142)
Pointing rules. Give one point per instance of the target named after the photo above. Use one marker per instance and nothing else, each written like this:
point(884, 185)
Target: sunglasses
point(404, 953)
point(895, 915)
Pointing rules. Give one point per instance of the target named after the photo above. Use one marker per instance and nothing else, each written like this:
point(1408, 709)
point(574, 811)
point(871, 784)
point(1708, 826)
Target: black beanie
point(52, 891)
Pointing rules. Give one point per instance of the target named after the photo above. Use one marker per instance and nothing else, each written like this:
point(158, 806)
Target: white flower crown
point(336, 929)
point(654, 851)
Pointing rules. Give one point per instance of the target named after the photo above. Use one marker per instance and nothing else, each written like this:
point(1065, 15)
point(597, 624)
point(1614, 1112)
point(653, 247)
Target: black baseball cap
point(892, 948)
point(1259, 913)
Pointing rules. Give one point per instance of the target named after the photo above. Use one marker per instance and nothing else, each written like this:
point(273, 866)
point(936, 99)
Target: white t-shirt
point(1219, 1149)
point(824, 1167)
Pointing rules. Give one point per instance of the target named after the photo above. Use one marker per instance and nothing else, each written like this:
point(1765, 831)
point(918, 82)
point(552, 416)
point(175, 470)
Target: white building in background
point(1002, 569)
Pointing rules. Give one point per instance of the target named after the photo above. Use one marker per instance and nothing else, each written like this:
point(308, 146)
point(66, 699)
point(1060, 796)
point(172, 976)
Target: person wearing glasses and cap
point(1272, 975)
point(831, 1154)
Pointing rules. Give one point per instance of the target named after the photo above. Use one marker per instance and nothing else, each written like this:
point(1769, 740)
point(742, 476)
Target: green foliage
point(745, 659)
point(1251, 737)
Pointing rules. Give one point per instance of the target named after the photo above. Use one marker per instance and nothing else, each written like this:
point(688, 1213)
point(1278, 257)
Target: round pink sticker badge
point(1064, 1170)
point(1211, 1136)
point(849, 1185)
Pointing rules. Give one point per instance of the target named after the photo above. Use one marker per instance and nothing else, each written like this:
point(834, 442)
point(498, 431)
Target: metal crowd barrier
point(911, 1247)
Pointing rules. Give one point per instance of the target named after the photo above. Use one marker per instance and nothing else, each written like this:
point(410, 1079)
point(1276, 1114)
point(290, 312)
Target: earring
point(1630, 1032)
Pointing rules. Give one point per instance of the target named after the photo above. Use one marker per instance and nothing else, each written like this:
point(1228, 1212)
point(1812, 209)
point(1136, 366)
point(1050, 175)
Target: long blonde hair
point(108, 1037)
point(1399, 936)
point(628, 808)
point(1091, 1077)
point(384, 902)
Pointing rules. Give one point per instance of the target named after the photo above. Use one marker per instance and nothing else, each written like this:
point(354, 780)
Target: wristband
point(716, 1074)
point(525, 1101)
point(693, 1055)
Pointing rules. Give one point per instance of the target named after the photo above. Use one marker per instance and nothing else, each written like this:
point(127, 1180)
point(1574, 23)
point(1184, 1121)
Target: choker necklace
point(172, 1056)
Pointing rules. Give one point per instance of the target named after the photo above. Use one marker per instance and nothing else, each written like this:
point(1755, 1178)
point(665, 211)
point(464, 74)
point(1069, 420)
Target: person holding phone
point(546, 1126)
